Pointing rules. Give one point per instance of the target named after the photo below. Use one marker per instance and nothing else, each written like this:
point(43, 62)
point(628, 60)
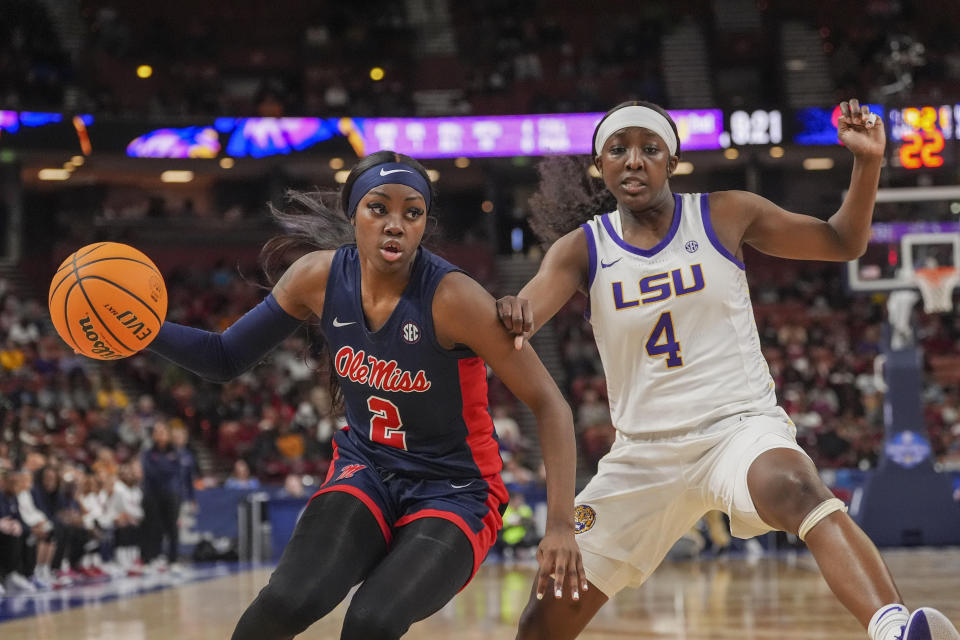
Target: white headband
point(636, 116)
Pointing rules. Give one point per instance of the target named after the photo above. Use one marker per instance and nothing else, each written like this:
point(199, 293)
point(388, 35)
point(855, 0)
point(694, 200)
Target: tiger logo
point(584, 518)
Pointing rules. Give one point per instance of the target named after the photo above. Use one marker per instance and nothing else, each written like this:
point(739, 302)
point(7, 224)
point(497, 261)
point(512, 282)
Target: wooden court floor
point(737, 598)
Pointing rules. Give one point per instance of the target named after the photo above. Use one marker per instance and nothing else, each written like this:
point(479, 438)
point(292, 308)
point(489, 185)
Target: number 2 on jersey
point(385, 425)
point(663, 330)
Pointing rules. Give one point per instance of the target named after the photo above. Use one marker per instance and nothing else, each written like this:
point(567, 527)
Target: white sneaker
point(62, 579)
point(929, 624)
point(16, 583)
point(41, 582)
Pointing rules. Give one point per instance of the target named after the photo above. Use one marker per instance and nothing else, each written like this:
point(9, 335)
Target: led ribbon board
point(532, 135)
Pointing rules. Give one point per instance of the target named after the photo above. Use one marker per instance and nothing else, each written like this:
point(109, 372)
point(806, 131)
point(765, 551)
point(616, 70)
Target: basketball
point(107, 300)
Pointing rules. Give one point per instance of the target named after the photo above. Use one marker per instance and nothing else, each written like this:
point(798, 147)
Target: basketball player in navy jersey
point(691, 397)
point(413, 499)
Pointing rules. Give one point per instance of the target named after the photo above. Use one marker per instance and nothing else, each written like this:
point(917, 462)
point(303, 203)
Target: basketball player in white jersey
point(691, 397)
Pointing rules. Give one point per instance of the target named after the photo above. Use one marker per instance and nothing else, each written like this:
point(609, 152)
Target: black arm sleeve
point(220, 357)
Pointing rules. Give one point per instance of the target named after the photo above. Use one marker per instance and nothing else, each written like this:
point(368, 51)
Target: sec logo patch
point(410, 332)
point(583, 518)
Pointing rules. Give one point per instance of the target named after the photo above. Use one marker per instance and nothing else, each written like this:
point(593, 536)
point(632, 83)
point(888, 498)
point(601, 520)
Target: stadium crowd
point(99, 460)
point(490, 57)
point(89, 451)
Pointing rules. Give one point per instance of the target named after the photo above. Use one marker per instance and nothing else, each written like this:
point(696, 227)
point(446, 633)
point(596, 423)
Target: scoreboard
point(920, 137)
point(923, 136)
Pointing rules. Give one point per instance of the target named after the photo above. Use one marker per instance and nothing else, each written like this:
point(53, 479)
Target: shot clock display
point(761, 126)
point(923, 136)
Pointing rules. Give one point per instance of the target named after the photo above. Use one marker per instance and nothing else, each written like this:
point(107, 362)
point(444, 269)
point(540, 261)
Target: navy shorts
point(473, 505)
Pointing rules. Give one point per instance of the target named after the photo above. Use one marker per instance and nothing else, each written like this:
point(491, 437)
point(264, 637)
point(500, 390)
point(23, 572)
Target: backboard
point(927, 234)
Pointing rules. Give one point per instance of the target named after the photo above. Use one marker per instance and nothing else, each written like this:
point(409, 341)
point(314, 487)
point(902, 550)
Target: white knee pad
point(820, 512)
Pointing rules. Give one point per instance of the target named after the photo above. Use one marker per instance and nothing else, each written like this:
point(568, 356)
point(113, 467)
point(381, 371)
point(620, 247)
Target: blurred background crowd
point(99, 461)
point(496, 56)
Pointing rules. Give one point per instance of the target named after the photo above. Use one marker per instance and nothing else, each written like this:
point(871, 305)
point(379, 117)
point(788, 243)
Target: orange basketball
point(107, 301)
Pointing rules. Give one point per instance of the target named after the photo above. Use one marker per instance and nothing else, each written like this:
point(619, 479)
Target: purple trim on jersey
point(646, 253)
point(714, 240)
point(591, 262)
point(591, 254)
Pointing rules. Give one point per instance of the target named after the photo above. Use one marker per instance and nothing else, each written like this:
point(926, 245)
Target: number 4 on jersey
point(385, 425)
point(669, 346)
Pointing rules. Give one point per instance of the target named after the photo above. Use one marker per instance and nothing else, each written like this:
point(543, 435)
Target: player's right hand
point(560, 562)
point(517, 317)
point(860, 130)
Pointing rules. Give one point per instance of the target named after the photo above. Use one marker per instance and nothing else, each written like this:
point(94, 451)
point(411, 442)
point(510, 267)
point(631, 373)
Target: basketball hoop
point(936, 285)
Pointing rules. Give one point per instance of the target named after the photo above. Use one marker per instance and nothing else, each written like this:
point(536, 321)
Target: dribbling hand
point(860, 130)
point(561, 565)
point(517, 317)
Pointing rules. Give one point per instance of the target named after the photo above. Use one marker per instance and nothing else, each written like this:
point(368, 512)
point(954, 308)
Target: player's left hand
point(860, 130)
point(560, 564)
point(517, 318)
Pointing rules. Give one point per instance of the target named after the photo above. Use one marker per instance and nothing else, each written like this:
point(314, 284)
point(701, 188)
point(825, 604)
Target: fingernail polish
point(559, 593)
point(576, 596)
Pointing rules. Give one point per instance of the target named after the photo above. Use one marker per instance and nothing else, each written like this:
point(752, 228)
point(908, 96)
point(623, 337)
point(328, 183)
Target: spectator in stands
point(110, 397)
point(188, 464)
point(519, 533)
point(54, 497)
point(126, 503)
point(97, 523)
point(241, 478)
point(40, 528)
point(162, 487)
point(327, 424)
point(507, 429)
point(12, 538)
point(293, 486)
point(264, 450)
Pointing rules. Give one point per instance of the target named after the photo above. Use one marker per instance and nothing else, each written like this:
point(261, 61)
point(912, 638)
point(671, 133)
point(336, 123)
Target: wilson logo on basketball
point(356, 366)
point(99, 347)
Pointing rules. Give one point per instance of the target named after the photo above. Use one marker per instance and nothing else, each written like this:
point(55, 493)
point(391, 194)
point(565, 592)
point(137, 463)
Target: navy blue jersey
point(414, 408)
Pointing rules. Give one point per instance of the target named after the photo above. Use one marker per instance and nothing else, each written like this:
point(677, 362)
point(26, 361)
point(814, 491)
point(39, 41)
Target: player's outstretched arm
point(741, 217)
point(220, 357)
point(464, 313)
point(563, 271)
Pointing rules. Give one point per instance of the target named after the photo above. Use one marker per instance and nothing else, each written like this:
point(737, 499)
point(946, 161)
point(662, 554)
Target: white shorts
point(649, 490)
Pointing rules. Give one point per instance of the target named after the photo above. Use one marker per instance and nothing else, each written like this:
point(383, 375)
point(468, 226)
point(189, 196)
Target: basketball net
point(936, 285)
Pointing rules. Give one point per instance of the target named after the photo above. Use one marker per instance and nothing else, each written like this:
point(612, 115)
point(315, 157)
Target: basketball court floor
point(771, 598)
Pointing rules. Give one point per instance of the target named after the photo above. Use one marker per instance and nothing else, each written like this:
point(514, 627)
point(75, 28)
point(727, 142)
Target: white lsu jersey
point(674, 325)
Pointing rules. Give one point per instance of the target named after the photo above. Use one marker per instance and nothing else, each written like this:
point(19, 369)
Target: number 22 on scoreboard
point(921, 146)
